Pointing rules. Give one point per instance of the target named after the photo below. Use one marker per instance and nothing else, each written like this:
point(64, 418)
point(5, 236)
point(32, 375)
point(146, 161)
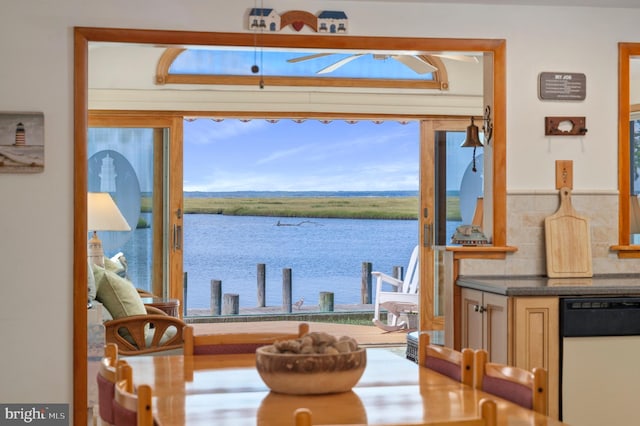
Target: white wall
point(36, 74)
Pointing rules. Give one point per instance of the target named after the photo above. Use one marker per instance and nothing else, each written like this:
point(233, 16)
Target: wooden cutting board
point(568, 241)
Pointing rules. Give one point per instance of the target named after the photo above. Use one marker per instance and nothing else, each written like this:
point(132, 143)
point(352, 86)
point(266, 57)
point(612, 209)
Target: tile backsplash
point(525, 230)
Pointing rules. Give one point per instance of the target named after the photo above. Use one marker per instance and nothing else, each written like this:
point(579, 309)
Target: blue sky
point(273, 62)
point(286, 156)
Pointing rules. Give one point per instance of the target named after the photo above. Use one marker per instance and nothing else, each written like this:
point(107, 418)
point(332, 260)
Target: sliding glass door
point(130, 158)
point(451, 196)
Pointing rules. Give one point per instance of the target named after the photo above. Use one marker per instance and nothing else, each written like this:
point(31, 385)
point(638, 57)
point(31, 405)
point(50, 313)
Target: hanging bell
point(472, 140)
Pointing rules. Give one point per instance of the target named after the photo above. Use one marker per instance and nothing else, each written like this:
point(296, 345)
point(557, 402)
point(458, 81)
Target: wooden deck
point(368, 336)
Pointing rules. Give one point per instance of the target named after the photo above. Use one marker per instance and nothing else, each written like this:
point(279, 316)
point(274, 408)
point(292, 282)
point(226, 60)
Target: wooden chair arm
point(144, 293)
point(154, 310)
point(138, 328)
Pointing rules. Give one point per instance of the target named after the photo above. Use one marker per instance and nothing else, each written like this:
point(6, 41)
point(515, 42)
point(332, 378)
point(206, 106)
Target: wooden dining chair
point(486, 407)
point(455, 364)
point(234, 343)
point(106, 378)
point(518, 385)
point(131, 406)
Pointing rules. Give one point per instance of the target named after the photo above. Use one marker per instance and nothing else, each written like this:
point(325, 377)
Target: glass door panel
point(634, 155)
point(459, 191)
point(127, 163)
point(451, 193)
point(459, 184)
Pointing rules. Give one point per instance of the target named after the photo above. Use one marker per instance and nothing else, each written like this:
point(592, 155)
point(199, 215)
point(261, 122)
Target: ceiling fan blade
point(340, 63)
point(308, 57)
point(461, 58)
point(415, 63)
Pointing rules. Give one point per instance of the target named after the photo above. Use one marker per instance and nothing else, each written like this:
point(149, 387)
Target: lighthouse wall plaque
point(21, 142)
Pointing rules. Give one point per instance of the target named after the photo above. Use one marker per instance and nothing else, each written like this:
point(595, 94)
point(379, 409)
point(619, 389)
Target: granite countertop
point(599, 285)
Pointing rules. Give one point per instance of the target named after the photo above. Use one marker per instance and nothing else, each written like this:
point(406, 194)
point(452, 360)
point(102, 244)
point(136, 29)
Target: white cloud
point(278, 155)
point(204, 131)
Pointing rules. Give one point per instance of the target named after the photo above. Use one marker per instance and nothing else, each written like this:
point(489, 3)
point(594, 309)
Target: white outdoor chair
point(403, 299)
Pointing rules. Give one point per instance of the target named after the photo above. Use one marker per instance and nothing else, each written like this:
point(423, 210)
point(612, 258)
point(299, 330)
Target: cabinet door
point(537, 328)
point(471, 335)
point(495, 327)
point(484, 323)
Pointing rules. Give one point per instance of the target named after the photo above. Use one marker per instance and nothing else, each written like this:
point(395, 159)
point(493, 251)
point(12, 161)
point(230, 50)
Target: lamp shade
point(103, 213)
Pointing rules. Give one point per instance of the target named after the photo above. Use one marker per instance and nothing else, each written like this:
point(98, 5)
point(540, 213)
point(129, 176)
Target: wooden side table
point(170, 306)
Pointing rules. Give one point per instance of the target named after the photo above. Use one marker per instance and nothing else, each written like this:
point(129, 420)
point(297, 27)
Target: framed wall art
point(21, 142)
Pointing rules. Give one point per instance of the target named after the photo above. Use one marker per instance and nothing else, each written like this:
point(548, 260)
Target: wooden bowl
point(310, 374)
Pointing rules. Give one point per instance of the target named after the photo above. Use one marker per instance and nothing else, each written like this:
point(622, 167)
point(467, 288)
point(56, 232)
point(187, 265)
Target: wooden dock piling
point(366, 284)
point(287, 306)
point(231, 305)
point(398, 272)
point(184, 293)
point(262, 279)
point(325, 301)
point(216, 297)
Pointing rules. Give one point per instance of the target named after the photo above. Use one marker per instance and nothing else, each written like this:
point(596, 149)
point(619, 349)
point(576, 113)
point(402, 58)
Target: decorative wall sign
point(21, 142)
point(565, 126)
point(327, 21)
point(562, 86)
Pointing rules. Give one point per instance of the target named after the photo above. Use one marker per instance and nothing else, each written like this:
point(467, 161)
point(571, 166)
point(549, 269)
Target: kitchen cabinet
point(532, 330)
point(484, 323)
point(519, 330)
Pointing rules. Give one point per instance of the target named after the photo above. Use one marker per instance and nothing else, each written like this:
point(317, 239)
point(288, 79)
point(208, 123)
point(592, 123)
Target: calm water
point(323, 254)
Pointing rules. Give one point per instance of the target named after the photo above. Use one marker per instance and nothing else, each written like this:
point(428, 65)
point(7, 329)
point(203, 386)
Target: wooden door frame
point(626, 51)
point(84, 35)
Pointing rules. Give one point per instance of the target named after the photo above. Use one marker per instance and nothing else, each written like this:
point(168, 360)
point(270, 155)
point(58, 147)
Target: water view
point(323, 254)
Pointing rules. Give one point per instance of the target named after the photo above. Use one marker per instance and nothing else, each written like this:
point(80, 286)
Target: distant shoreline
point(308, 207)
point(387, 207)
point(290, 194)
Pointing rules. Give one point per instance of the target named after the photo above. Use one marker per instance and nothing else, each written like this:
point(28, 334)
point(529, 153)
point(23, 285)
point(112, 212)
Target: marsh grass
point(318, 207)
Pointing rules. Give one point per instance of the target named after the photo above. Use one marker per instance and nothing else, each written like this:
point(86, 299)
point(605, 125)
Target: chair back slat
point(132, 408)
point(106, 393)
point(518, 385)
point(509, 390)
point(445, 367)
point(457, 365)
point(106, 379)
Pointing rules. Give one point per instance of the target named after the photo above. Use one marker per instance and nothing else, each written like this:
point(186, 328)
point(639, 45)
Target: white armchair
point(404, 298)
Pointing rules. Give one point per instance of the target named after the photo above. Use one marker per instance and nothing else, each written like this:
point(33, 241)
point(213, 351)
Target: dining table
point(228, 390)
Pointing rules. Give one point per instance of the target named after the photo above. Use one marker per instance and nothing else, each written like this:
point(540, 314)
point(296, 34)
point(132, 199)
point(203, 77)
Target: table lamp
point(102, 215)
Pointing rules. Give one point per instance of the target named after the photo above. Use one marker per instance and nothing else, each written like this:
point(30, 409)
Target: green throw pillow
point(117, 294)
point(114, 266)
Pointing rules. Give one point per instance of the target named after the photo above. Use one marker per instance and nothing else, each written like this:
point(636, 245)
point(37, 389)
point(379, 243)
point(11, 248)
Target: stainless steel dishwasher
point(599, 367)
